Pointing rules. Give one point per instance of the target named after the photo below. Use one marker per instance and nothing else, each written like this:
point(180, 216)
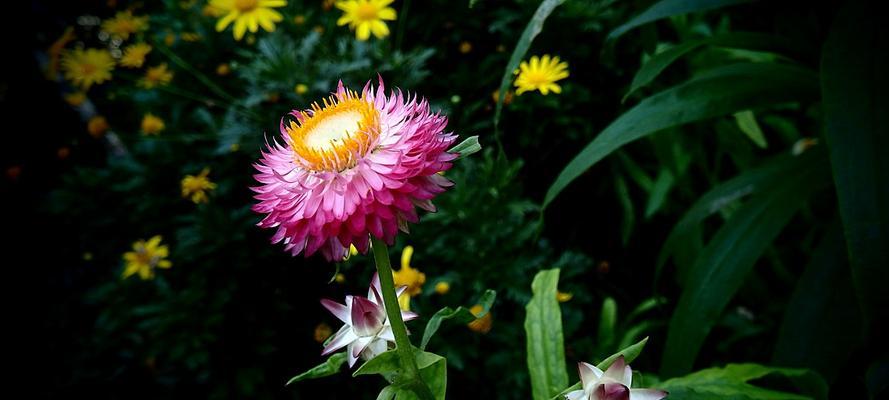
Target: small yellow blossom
point(465, 47)
point(563, 297)
point(97, 126)
point(152, 125)
point(223, 69)
point(169, 39)
point(495, 95)
point(481, 325)
point(301, 89)
point(407, 276)
point(196, 187)
point(248, 14)
point(318, 29)
point(340, 278)
point(75, 99)
point(541, 74)
point(322, 332)
point(125, 24)
point(366, 17)
point(442, 287)
point(85, 68)
point(299, 19)
point(134, 55)
point(327, 5)
point(156, 76)
point(145, 257)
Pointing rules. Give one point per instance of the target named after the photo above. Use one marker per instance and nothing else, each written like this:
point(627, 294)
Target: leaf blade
point(544, 341)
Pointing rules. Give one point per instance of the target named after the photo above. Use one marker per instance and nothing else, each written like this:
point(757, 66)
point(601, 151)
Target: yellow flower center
point(87, 69)
point(145, 257)
point(246, 5)
point(366, 12)
point(334, 136)
point(537, 77)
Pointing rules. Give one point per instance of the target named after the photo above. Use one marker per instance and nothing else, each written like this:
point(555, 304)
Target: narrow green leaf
point(723, 265)
point(754, 41)
point(662, 186)
point(545, 344)
point(461, 315)
point(669, 8)
point(626, 203)
point(720, 91)
point(822, 313)
point(630, 353)
point(327, 368)
point(467, 147)
point(607, 322)
point(855, 86)
point(535, 26)
point(731, 382)
point(746, 121)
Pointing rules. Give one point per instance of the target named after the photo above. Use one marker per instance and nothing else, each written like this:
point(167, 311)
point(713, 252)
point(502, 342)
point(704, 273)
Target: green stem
point(402, 21)
point(402, 344)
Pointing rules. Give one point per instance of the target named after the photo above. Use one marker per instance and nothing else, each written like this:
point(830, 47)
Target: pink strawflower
point(354, 166)
point(613, 384)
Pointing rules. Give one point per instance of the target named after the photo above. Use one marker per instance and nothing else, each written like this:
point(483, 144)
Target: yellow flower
point(301, 89)
point(541, 74)
point(299, 19)
point(134, 55)
point(495, 95)
point(223, 69)
point(340, 278)
point(248, 14)
point(318, 29)
point(442, 287)
point(145, 257)
point(169, 39)
point(366, 17)
point(75, 99)
point(97, 126)
point(407, 276)
point(327, 4)
point(196, 187)
point(563, 297)
point(322, 332)
point(465, 47)
point(152, 125)
point(156, 76)
point(125, 24)
point(85, 68)
point(481, 325)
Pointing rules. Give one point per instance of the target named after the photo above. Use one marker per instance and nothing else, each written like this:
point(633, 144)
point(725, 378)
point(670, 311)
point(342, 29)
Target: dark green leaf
point(720, 91)
point(855, 86)
point(669, 8)
point(461, 315)
point(746, 121)
point(545, 344)
point(662, 186)
point(731, 382)
point(607, 322)
point(327, 368)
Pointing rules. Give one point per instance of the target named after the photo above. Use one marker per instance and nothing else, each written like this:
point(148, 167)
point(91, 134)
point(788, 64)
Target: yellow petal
point(363, 31)
point(240, 28)
point(224, 21)
point(379, 28)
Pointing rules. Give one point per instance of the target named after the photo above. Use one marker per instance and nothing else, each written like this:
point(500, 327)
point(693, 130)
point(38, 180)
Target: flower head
point(354, 167)
point(75, 99)
point(156, 76)
point(196, 187)
point(541, 74)
point(151, 124)
point(248, 14)
point(412, 278)
point(483, 323)
point(322, 332)
point(97, 126)
point(85, 68)
point(366, 17)
point(613, 384)
point(442, 287)
point(145, 257)
point(125, 24)
point(134, 55)
point(367, 331)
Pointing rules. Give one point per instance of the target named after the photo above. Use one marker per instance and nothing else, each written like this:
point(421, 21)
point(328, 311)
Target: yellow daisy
point(85, 68)
point(145, 257)
point(125, 24)
point(442, 287)
point(156, 76)
point(248, 14)
point(366, 17)
point(541, 74)
point(97, 126)
point(407, 276)
point(75, 99)
point(152, 125)
point(134, 55)
point(197, 186)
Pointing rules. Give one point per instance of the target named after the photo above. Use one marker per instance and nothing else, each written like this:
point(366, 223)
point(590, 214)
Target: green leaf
point(746, 121)
point(433, 371)
point(461, 315)
point(626, 203)
point(607, 322)
point(383, 363)
point(855, 84)
point(731, 382)
point(630, 353)
point(327, 368)
point(822, 322)
point(723, 265)
point(660, 61)
point(669, 8)
point(535, 26)
point(467, 147)
point(770, 174)
point(662, 186)
point(720, 91)
point(545, 344)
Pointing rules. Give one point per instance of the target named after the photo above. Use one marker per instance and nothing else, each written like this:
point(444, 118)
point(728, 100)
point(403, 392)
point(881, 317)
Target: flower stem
point(402, 344)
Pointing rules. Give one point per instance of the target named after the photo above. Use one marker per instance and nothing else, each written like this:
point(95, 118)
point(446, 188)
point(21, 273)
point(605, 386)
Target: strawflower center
point(333, 137)
point(246, 5)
